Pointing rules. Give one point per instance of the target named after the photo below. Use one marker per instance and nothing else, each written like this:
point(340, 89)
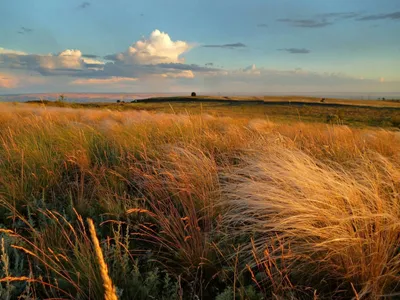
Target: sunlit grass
point(194, 205)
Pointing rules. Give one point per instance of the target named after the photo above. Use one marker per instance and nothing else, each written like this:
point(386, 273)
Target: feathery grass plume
point(109, 289)
point(341, 224)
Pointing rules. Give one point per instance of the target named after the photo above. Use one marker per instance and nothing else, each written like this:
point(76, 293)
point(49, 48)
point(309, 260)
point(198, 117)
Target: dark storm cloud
point(112, 57)
point(59, 71)
point(90, 56)
point(389, 16)
point(320, 20)
point(340, 15)
point(186, 67)
point(24, 30)
point(93, 65)
point(296, 50)
point(16, 61)
point(227, 46)
point(84, 5)
point(326, 19)
point(307, 23)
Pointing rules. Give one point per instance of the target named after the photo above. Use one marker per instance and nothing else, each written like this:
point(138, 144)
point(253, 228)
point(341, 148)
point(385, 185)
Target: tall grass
point(342, 225)
point(194, 206)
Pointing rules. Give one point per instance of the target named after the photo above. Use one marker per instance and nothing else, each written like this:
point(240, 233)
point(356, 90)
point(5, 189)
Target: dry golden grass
point(109, 289)
point(296, 211)
point(340, 223)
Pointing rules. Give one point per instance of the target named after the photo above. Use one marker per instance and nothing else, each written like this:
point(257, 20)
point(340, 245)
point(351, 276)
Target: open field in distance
point(346, 112)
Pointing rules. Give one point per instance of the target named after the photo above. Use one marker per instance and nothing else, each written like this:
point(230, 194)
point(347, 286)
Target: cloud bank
point(157, 64)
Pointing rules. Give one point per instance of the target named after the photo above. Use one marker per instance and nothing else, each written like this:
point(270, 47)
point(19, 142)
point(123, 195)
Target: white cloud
point(69, 52)
point(65, 61)
point(142, 59)
point(157, 49)
point(182, 74)
point(252, 70)
point(87, 60)
point(9, 51)
point(96, 81)
point(8, 81)
point(68, 59)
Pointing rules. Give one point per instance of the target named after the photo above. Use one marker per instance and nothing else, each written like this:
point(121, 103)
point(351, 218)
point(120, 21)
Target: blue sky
point(255, 46)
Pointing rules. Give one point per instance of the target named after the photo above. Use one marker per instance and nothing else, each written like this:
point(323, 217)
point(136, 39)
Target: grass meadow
point(181, 203)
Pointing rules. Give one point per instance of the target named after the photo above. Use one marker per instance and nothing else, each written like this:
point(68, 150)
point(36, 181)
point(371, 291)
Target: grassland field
point(283, 109)
point(176, 199)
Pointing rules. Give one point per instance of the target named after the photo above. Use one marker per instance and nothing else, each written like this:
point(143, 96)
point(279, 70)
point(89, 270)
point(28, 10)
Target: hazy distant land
point(127, 97)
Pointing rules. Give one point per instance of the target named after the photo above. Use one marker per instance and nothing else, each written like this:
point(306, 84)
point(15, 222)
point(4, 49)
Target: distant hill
point(174, 97)
point(83, 97)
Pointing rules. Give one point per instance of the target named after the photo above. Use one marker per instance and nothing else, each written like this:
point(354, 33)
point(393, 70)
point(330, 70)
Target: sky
point(207, 46)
